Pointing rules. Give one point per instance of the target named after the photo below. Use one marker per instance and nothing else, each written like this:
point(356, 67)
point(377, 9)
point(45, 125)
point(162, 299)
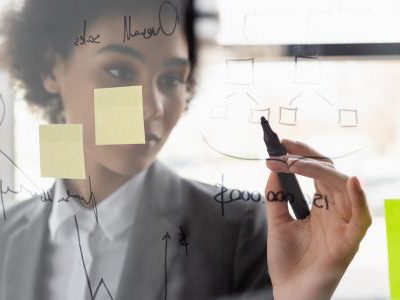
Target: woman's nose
point(153, 105)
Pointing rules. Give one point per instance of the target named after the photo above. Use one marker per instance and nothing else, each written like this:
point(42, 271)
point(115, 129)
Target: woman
point(155, 234)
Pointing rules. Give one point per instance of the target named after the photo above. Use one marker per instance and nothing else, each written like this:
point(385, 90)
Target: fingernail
point(357, 181)
point(289, 140)
point(286, 140)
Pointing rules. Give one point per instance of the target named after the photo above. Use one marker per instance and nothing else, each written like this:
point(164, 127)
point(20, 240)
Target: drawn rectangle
point(287, 116)
point(119, 115)
point(61, 151)
point(348, 118)
point(240, 71)
point(256, 114)
point(392, 218)
point(307, 70)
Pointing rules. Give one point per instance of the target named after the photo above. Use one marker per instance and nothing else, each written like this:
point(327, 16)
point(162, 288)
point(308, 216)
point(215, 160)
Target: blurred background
point(323, 72)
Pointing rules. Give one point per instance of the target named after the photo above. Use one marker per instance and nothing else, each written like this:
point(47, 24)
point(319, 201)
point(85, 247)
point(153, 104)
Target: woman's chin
point(124, 160)
point(130, 166)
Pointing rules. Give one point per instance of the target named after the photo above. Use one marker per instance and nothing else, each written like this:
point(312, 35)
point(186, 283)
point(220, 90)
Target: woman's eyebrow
point(123, 50)
point(177, 62)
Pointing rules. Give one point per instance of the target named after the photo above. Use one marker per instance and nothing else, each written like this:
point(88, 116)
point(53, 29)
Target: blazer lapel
point(23, 255)
point(153, 255)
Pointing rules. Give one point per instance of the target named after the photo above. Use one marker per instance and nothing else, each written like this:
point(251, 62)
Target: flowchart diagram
point(236, 117)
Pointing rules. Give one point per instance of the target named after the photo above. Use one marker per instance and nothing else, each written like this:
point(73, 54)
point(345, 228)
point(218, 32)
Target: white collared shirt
point(103, 244)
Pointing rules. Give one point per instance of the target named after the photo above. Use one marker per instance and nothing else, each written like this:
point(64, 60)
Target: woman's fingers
point(318, 171)
point(282, 164)
point(302, 149)
point(277, 211)
point(278, 164)
point(360, 215)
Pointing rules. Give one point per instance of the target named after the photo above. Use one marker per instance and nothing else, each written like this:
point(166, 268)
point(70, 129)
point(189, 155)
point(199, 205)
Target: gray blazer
point(226, 254)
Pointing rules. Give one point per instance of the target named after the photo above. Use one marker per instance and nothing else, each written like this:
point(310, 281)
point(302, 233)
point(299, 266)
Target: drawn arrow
point(166, 237)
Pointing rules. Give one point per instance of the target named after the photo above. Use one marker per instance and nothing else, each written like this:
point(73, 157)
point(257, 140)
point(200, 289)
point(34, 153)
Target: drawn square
point(61, 151)
point(119, 115)
point(307, 70)
point(348, 118)
point(256, 114)
point(287, 116)
point(220, 112)
point(240, 71)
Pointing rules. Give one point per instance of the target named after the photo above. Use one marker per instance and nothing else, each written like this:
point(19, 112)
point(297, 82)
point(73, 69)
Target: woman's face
point(159, 64)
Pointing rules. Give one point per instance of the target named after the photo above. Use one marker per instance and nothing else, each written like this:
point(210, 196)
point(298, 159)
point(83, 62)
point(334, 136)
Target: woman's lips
point(152, 140)
point(152, 137)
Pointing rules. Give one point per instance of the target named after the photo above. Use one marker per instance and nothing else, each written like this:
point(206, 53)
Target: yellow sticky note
point(61, 151)
point(392, 212)
point(119, 115)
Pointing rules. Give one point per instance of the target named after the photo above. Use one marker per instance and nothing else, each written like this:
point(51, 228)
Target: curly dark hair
point(43, 26)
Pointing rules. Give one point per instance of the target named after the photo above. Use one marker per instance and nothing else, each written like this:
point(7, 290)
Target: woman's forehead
point(139, 33)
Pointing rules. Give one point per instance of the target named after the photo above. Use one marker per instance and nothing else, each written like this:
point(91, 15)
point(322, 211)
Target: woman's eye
point(121, 73)
point(171, 81)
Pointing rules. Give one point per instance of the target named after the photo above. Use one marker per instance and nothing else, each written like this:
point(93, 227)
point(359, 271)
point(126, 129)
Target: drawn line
point(92, 295)
point(183, 239)
point(230, 95)
point(19, 169)
point(323, 98)
point(166, 237)
point(83, 261)
point(45, 195)
point(294, 99)
point(258, 159)
point(91, 202)
point(3, 114)
point(316, 157)
point(12, 191)
point(225, 109)
point(165, 270)
point(102, 282)
point(225, 154)
point(2, 200)
point(255, 101)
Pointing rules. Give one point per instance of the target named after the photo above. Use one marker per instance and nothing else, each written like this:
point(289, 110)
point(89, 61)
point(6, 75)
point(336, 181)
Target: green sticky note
point(392, 212)
point(61, 151)
point(119, 115)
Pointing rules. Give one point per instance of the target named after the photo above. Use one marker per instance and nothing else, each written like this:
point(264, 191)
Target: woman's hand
point(307, 258)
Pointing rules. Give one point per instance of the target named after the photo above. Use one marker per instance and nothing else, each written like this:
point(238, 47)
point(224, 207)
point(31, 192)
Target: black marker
point(287, 180)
